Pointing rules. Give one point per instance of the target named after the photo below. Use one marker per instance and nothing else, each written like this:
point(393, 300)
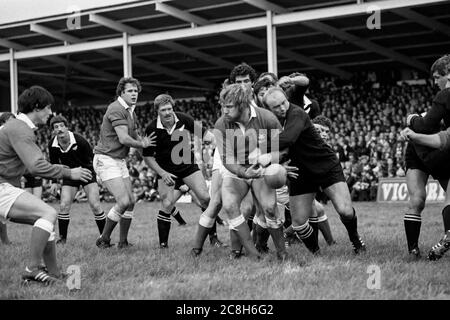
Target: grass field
point(146, 272)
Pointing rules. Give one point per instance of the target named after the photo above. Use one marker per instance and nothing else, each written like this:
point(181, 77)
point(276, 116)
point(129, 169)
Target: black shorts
point(182, 171)
point(308, 182)
point(429, 160)
point(412, 159)
point(77, 183)
point(32, 182)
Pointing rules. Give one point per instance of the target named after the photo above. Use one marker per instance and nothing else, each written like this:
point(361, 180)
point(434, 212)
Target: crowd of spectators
point(367, 118)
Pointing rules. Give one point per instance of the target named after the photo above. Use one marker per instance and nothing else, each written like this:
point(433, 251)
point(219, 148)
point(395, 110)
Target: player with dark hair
point(243, 74)
point(19, 152)
point(422, 162)
point(174, 162)
point(70, 149)
point(4, 117)
point(318, 168)
point(118, 134)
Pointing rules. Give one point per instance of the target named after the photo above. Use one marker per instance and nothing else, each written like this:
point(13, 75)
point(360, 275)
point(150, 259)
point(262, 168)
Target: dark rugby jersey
point(296, 95)
point(306, 148)
point(167, 140)
point(440, 110)
point(78, 154)
point(430, 123)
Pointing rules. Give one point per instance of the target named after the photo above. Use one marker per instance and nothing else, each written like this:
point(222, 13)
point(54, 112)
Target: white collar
point(306, 101)
point(125, 105)
point(24, 118)
point(252, 115)
point(72, 142)
point(159, 124)
point(252, 111)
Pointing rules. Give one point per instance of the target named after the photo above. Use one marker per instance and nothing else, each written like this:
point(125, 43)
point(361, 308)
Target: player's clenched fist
point(407, 134)
point(81, 174)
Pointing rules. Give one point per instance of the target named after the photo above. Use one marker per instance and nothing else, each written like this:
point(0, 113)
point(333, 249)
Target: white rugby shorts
point(8, 195)
point(108, 168)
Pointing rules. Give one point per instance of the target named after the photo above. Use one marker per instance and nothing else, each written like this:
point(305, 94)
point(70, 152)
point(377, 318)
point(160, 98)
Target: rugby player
point(118, 134)
point(421, 163)
point(71, 149)
point(18, 153)
point(318, 168)
point(173, 160)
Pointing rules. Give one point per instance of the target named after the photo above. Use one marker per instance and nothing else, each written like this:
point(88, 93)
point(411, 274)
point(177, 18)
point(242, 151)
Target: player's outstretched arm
point(126, 140)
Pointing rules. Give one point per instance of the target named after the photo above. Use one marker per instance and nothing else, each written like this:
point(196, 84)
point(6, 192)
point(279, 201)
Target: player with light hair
point(119, 133)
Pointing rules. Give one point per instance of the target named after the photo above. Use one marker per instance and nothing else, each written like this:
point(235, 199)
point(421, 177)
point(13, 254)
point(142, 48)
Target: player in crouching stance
point(71, 149)
point(118, 134)
point(250, 126)
point(174, 162)
point(318, 168)
point(19, 152)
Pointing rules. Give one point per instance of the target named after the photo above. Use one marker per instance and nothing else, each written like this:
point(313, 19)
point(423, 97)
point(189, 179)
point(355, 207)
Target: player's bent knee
point(269, 210)
point(206, 221)
point(417, 203)
point(45, 224)
point(65, 207)
point(123, 202)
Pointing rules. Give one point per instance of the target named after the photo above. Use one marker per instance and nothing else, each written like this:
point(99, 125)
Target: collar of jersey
point(125, 105)
point(306, 101)
point(72, 142)
point(159, 124)
point(24, 118)
point(252, 115)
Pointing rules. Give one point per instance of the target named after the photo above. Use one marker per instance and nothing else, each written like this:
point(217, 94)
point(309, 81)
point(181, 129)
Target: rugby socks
point(240, 227)
point(100, 220)
point(50, 258)
point(41, 233)
point(203, 229)
point(351, 225)
point(324, 227)
point(314, 223)
point(287, 216)
point(250, 222)
point(177, 215)
point(446, 218)
point(262, 236)
point(63, 224)
point(306, 234)
point(236, 246)
point(275, 228)
point(213, 231)
point(4, 233)
point(412, 229)
point(112, 219)
point(164, 222)
point(125, 223)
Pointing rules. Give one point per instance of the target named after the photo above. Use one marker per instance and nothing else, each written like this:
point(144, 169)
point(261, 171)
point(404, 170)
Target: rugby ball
point(275, 176)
